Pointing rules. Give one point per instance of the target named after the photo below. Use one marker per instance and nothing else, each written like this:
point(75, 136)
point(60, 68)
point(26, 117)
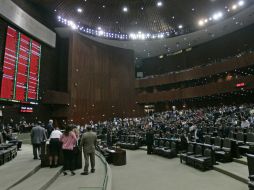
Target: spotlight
point(79, 10)
point(241, 3)
point(217, 16)
point(201, 23)
point(125, 9)
point(234, 7)
point(159, 4)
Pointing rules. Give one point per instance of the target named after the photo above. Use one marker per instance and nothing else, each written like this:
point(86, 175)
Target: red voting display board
point(21, 68)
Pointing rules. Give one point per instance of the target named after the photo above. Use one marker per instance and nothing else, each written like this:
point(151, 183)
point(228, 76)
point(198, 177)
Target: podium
point(116, 157)
point(77, 163)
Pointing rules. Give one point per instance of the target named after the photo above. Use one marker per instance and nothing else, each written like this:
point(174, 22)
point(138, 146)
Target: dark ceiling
point(142, 15)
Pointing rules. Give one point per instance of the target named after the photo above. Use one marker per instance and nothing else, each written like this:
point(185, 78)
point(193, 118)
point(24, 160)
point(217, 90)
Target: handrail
point(107, 183)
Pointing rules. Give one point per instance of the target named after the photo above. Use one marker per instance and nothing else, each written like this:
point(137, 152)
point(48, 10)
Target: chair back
point(207, 139)
point(240, 136)
point(190, 148)
point(231, 135)
point(207, 152)
point(167, 144)
point(173, 145)
point(198, 149)
point(227, 143)
point(250, 159)
point(156, 142)
point(250, 137)
point(217, 141)
point(161, 143)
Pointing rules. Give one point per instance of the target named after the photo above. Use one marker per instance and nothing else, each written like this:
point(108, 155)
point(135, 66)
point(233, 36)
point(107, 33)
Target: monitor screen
point(21, 68)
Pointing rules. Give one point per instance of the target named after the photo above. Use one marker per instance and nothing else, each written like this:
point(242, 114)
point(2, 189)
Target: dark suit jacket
point(38, 135)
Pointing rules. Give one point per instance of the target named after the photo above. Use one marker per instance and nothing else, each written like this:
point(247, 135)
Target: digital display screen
point(25, 109)
point(21, 68)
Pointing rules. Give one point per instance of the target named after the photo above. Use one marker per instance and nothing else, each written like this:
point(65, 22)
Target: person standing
point(88, 143)
point(54, 147)
point(49, 128)
point(149, 141)
point(69, 140)
point(38, 136)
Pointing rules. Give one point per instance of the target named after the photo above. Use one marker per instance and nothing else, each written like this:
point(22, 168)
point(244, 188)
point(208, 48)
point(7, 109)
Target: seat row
point(199, 156)
point(129, 142)
point(165, 147)
point(7, 152)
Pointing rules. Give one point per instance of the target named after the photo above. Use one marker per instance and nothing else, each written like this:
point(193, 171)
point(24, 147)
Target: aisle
point(144, 172)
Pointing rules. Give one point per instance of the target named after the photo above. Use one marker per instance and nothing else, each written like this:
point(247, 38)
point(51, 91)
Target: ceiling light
point(79, 10)
point(159, 4)
point(234, 7)
point(201, 23)
point(241, 3)
point(125, 9)
point(180, 26)
point(217, 16)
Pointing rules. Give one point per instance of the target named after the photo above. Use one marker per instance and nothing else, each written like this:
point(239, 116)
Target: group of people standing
point(67, 141)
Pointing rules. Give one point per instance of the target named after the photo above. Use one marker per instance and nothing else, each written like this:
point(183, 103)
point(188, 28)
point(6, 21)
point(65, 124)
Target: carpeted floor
point(152, 172)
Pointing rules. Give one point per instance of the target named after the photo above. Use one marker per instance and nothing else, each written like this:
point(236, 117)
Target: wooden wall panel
point(101, 81)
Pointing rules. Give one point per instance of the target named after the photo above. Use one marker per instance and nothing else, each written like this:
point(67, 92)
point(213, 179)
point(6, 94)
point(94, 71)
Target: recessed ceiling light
point(241, 3)
point(159, 4)
point(234, 7)
point(79, 10)
point(201, 23)
point(125, 9)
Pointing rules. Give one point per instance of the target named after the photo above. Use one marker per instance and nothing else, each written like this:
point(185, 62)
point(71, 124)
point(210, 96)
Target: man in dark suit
point(149, 141)
point(88, 143)
point(38, 136)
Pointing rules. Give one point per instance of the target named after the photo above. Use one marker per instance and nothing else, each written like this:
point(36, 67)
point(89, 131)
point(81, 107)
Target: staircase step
point(242, 160)
point(18, 169)
point(40, 180)
point(235, 170)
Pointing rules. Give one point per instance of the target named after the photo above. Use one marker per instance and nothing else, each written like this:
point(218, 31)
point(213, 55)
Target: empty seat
point(190, 151)
point(190, 160)
point(217, 143)
point(240, 138)
point(207, 139)
point(170, 152)
point(206, 161)
point(224, 154)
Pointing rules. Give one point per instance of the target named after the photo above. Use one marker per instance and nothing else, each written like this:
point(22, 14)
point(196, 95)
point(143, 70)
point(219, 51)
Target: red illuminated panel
point(242, 84)
point(34, 71)
point(20, 81)
point(9, 67)
point(22, 70)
